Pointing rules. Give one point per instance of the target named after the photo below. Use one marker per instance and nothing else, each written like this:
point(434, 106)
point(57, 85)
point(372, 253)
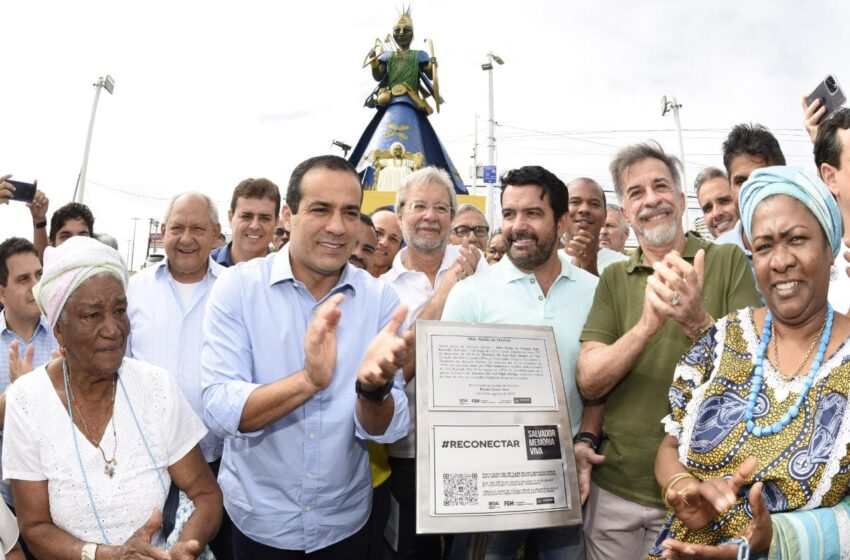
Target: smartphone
point(24, 192)
point(830, 95)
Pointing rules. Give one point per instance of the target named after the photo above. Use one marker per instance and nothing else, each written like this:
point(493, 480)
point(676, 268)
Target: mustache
point(357, 261)
point(523, 235)
point(662, 208)
point(426, 226)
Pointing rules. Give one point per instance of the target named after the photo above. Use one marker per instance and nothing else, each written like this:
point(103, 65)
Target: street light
point(674, 106)
point(342, 146)
point(107, 83)
point(491, 141)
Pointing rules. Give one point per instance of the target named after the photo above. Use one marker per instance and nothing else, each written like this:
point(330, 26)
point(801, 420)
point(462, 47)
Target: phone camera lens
point(830, 85)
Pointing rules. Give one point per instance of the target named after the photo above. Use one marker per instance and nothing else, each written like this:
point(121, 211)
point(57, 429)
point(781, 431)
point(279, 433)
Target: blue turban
point(797, 183)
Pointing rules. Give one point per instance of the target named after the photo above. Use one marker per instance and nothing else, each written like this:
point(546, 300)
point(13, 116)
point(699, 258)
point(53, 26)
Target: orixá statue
point(400, 139)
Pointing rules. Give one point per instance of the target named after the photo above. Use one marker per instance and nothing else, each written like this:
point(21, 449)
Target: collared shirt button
point(308, 508)
point(540, 298)
point(532, 281)
point(312, 435)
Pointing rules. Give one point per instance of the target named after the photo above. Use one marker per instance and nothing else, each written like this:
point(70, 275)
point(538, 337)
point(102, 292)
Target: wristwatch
point(378, 395)
point(593, 440)
point(89, 551)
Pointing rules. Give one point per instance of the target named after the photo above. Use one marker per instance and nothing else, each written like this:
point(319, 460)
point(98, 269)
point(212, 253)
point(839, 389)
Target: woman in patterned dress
point(759, 419)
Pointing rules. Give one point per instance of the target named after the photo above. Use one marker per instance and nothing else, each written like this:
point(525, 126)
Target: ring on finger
point(674, 299)
point(683, 493)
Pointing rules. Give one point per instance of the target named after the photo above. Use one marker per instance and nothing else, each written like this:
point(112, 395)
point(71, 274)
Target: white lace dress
point(38, 444)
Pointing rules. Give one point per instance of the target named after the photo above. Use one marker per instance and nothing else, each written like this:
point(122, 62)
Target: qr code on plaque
point(460, 489)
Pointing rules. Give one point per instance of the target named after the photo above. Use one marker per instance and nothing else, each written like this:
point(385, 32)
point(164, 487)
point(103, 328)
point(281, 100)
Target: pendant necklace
point(109, 464)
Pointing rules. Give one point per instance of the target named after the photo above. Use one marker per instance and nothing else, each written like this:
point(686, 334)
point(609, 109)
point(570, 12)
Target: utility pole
point(674, 106)
point(491, 139)
point(101, 83)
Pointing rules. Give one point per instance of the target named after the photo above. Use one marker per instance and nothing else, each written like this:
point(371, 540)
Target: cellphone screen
point(24, 192)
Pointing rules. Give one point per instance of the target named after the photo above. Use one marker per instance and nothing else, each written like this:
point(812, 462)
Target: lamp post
point(101, 83)
point(342, 146)
point(491, 140)
point(674, 106)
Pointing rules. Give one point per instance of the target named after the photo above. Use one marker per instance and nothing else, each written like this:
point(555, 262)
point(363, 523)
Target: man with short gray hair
point(470, 224)
point(646, 313)
point(423, 274)
point(719, 207)
point(166, 303)
point(615, 232)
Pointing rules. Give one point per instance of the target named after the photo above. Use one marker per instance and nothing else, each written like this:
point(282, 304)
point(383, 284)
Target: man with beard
point(587, 216)
point(536, 285)
point(716, 201)
point(646, 313)
point(423, 274)
point(388, 229)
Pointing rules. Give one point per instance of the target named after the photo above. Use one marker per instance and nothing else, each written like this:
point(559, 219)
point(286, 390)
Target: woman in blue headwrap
point(759, 420)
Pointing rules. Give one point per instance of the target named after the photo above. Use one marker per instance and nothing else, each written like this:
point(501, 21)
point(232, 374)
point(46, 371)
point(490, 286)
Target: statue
point(407, 79)
point(393, 165)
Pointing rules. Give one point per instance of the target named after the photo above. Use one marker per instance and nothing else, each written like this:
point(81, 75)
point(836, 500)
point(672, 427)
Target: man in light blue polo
point(298, 368)
point(26, 339)
point(535, 285)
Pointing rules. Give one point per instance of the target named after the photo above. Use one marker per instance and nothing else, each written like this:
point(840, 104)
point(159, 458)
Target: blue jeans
point(556, 543)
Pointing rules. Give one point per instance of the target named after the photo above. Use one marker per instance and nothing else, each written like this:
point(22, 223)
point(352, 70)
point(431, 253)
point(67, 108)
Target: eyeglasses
point(419, 207)
point(463, 231)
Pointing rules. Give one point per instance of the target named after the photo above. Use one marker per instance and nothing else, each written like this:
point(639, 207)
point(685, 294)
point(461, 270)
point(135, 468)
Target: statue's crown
point(404, 17)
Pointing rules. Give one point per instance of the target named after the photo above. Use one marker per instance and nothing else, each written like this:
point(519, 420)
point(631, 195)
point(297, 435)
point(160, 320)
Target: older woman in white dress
point(93, 440)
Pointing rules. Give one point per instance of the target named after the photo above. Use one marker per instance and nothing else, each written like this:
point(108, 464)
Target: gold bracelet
point(706, 328)
point(671, 481)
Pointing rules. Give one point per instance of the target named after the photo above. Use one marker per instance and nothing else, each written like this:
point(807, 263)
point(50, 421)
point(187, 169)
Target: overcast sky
point(209, 93)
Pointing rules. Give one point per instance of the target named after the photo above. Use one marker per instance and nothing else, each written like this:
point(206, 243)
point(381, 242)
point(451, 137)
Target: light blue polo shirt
point(503, 294)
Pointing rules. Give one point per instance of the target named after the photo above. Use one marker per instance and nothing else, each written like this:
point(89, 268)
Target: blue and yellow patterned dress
point(804, 466)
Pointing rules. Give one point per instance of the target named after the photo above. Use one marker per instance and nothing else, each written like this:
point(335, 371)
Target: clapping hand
point(386, 353)
point(19, 366)
point(139, 547)
point(675, 291)
point(696, 503)
point(758, 533)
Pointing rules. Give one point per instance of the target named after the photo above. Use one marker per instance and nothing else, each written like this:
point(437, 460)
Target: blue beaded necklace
point(758, 376)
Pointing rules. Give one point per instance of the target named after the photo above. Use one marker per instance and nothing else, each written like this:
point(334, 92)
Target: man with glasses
point(470, 224)
point(423, 274)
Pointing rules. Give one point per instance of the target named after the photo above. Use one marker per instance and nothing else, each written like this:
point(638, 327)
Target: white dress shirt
point(168, 333)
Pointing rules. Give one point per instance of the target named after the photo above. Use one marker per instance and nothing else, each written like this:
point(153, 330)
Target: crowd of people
point(256, 399)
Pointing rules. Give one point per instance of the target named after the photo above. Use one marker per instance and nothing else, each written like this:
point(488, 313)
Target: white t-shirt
point(839, 283)
point(38, 444)
point(186, 291)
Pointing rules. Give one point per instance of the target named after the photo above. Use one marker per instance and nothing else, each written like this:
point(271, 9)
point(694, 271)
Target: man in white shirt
point(423, 274)
point(166, 304)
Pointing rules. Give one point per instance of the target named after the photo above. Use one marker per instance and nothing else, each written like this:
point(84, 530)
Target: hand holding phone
point(6, 190)
point(24, 192)
point(829, 94)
